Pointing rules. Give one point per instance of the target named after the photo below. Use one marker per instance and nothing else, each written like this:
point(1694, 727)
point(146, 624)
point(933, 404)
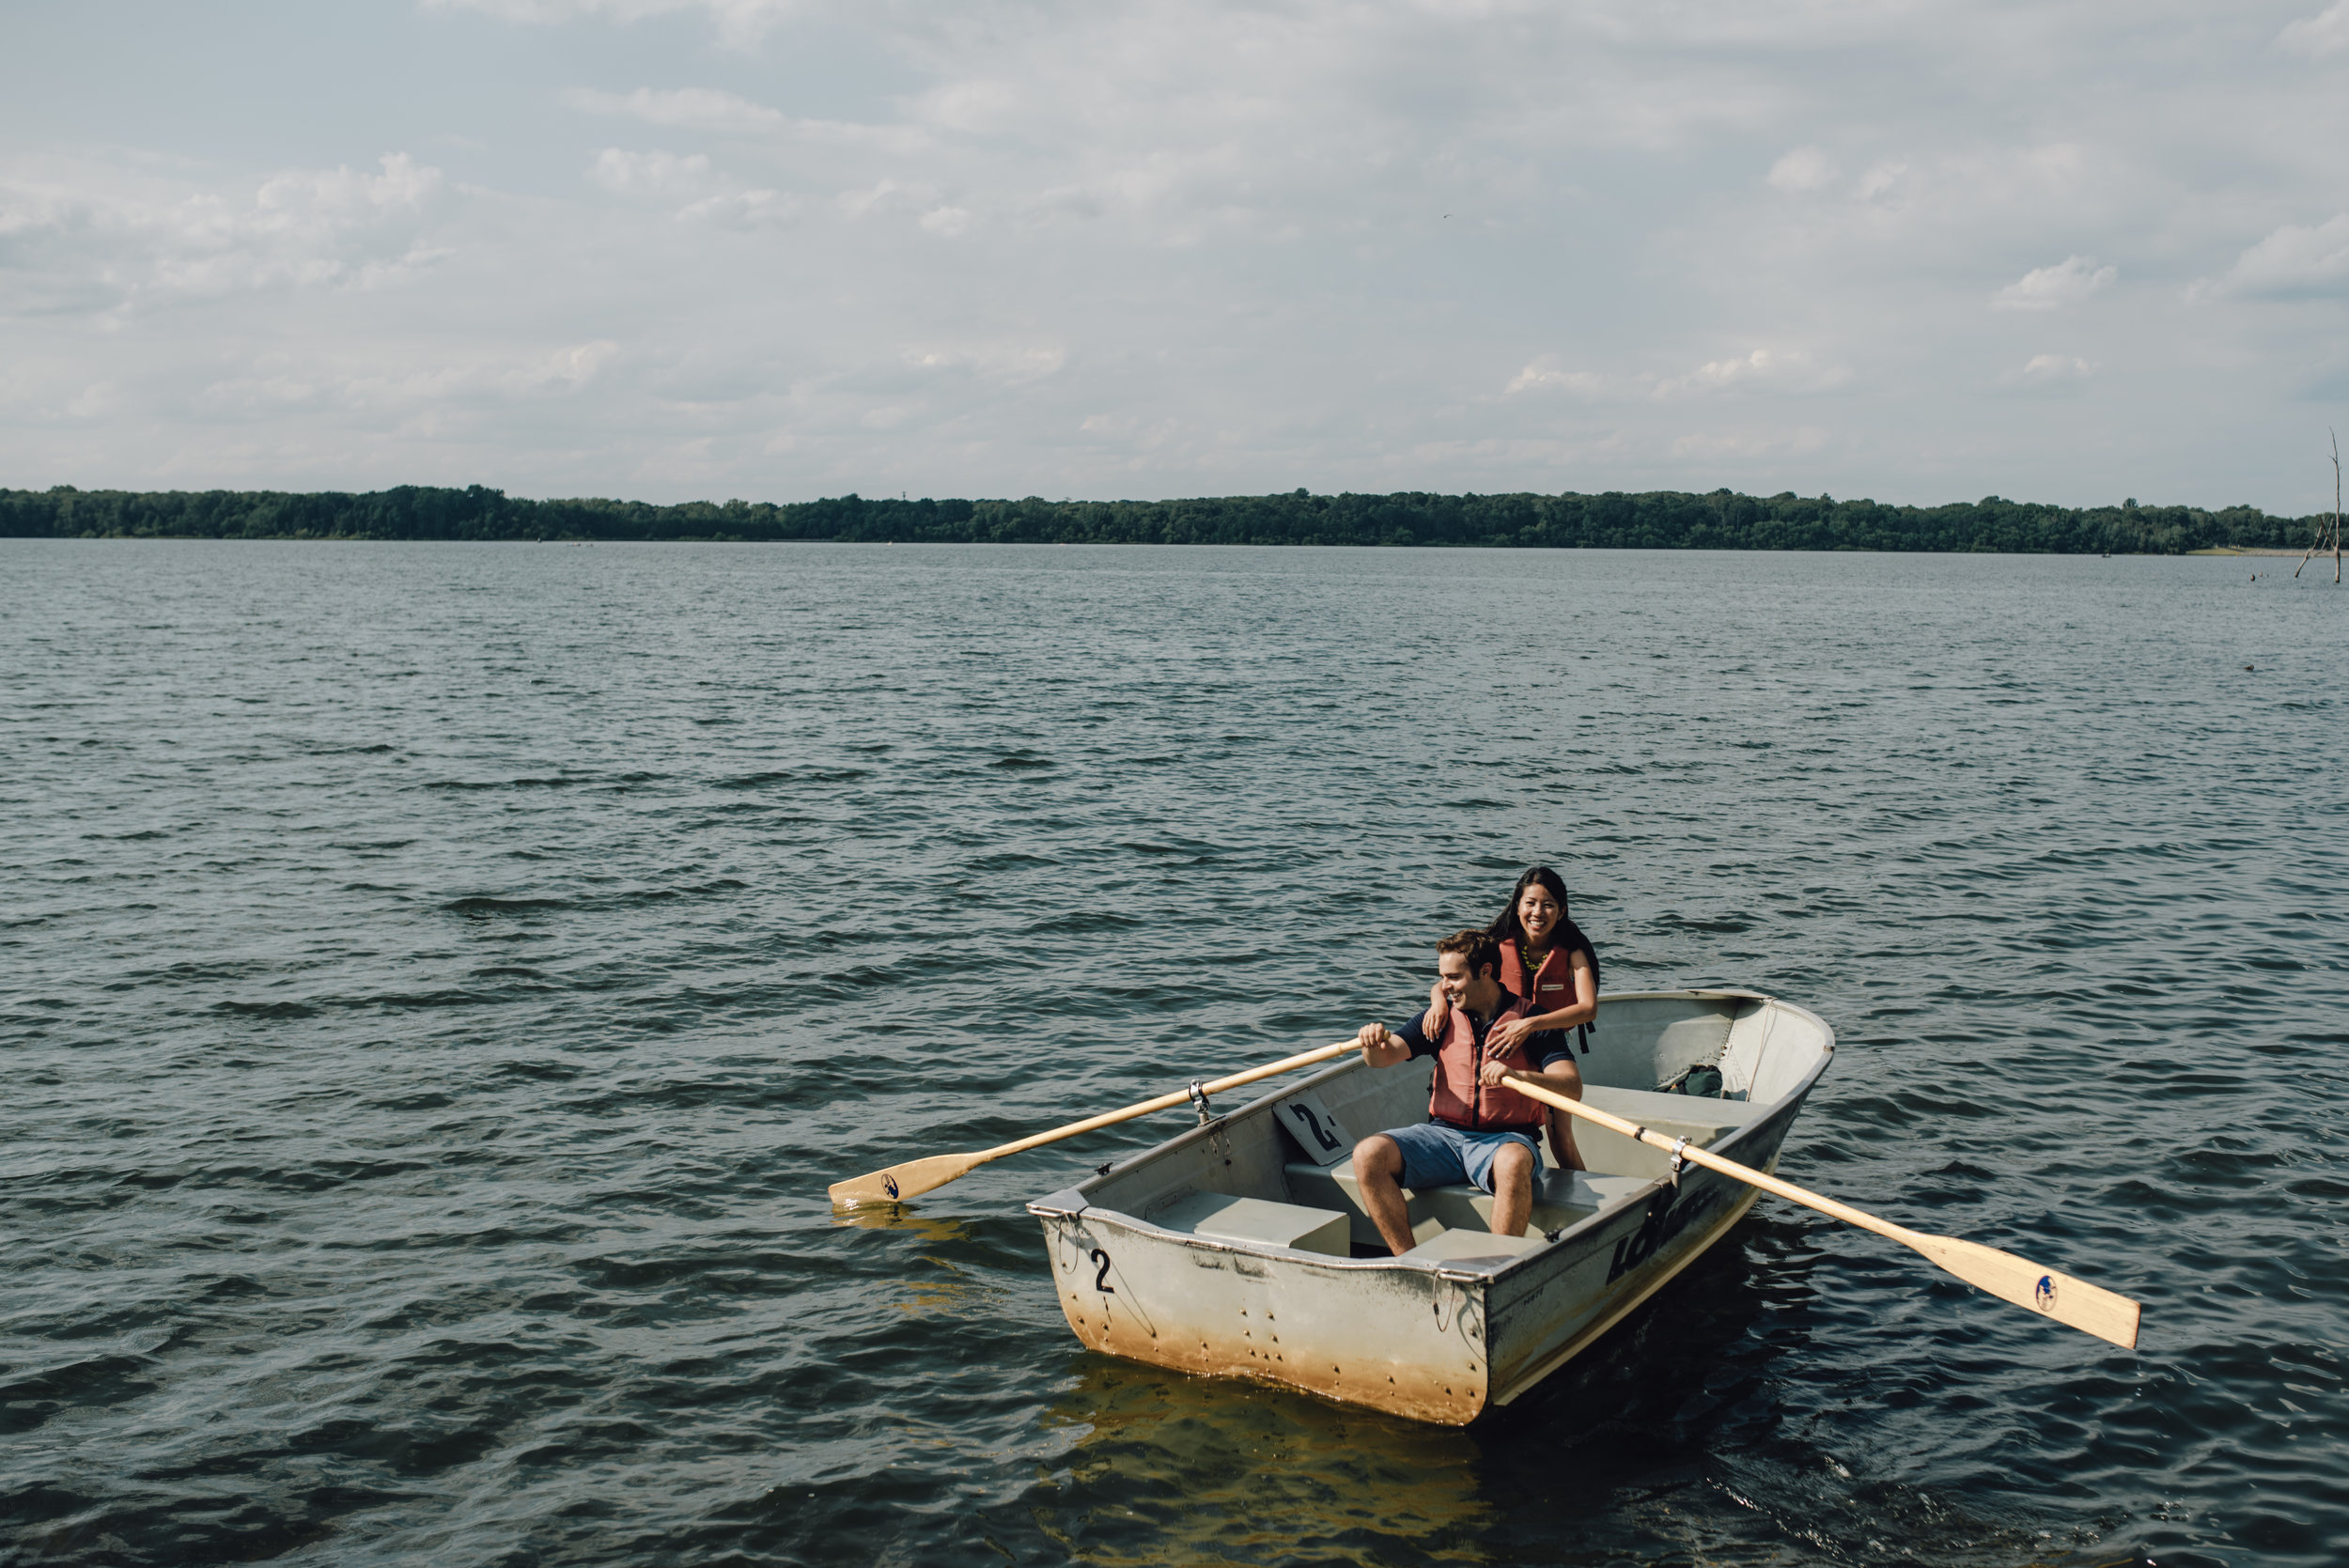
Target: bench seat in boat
point(1559, 1198)
point(1465, 1245)
point(1699, 1118)
point(1257, 1221)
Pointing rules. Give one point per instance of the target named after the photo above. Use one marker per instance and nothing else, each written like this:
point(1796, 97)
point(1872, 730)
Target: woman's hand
point(1507, 1037)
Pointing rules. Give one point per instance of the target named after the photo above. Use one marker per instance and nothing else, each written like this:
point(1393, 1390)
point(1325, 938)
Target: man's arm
point(1386, 1048)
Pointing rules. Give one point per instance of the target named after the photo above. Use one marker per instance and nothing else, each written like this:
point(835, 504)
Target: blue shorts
point(1435, 1154)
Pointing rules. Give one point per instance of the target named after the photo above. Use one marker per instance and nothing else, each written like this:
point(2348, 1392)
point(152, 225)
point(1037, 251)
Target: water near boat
point(437, 983)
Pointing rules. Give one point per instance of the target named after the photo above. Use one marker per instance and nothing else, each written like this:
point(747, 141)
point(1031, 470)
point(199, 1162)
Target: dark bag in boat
point(1703, 1079)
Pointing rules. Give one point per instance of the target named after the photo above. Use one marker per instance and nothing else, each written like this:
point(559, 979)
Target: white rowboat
point(1231, 1248)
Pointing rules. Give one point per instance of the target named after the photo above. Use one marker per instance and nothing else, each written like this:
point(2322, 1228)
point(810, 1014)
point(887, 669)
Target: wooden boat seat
point(1257, 1221)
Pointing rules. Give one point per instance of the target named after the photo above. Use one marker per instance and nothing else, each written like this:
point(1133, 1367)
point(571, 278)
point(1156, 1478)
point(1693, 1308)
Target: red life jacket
point(1551, 986)
point(1456, 1097)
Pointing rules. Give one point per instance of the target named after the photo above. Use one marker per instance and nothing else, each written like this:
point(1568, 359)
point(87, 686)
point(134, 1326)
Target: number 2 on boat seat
point(1311, 1127)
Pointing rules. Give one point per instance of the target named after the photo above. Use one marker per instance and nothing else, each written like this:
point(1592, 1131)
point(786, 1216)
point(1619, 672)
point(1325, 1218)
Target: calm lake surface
point(438, 982)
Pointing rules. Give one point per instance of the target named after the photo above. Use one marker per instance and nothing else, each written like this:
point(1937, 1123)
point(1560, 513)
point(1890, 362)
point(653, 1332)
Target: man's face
point(1453, 970)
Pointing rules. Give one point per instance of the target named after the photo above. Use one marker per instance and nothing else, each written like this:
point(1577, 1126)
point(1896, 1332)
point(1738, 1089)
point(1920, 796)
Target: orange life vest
point(1456, 1097)
point(1551, 986)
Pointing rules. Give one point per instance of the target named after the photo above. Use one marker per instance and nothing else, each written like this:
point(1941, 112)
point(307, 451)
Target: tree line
point(1654, 520)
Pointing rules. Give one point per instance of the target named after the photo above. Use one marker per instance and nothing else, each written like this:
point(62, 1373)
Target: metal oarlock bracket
point(1199, 1099)
point(1679, 1164)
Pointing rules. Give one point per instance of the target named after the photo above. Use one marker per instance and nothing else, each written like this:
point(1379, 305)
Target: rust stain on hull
point(1414, 1392)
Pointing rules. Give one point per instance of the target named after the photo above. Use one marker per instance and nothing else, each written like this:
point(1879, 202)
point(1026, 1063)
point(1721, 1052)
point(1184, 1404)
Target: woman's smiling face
point(1537, 912)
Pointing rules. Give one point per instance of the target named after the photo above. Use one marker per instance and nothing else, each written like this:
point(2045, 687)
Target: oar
point(2077, 1303)
point(925, 1175)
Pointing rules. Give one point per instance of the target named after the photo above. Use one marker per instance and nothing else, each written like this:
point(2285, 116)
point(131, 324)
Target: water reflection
point(898, 1216)
point(1670, 1441)
point(1173, 1469)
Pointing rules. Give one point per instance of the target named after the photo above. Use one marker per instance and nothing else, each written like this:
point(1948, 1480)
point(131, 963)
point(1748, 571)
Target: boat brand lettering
point(1312, 1124)
point(1661, 1225)
point(1101, 1275)
point(2043, 1297)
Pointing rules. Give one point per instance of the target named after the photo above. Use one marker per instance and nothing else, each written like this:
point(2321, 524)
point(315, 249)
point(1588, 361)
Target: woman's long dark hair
point(1567, 935)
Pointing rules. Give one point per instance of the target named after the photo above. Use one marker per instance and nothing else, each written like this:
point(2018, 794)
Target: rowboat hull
point(1218, 1252)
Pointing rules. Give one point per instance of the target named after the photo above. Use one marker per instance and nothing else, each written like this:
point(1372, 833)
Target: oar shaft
point(1695, 1156)
point(2073, 1302)
point(1167, 1102)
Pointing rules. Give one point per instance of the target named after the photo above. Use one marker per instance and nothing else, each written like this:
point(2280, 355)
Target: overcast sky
point(1923, 250)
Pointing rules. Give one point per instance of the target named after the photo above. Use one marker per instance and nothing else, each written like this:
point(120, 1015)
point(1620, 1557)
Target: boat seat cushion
point(1257, 1221)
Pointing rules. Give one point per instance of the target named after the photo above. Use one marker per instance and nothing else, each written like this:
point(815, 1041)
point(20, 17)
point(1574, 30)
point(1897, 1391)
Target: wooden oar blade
point(2075, 1303)
point(900, 1182)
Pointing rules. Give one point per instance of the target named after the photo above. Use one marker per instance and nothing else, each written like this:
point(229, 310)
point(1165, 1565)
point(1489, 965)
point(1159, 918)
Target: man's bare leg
point(1513, 1188)
point(1379, 1172)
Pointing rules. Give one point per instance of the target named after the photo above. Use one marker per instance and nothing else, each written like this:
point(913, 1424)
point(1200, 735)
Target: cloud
point(1546, 375)
point(2043, 370)
point(473, 379)
point(96, 400)
point(718, 113)
point(1452, 243)
point(1789, 372)
point(651, 173)
point(743, 209)
point(742, 24)
point(2068, 282)
point(2292, 259)
point(92, 240)
point(1007, 364)
point(1795, 371)
point(685, 108)
point(1806, 168)
point(700, 192)
point(1741, 442)
point(2320, 35)
point(1880, 179)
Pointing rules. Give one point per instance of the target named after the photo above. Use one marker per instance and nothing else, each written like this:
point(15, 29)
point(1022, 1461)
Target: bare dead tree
point(2317, 544)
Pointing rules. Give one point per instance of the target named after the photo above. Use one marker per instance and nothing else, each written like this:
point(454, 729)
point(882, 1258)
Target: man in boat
point(1478, 1131)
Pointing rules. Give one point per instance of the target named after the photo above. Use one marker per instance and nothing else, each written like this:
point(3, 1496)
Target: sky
point(1918, 250)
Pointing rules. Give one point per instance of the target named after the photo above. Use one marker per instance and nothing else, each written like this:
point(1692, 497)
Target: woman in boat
point(1547, 961)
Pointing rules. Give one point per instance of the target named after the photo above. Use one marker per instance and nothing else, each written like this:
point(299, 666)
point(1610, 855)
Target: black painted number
point(1101, 1277)
point(1313, 1122)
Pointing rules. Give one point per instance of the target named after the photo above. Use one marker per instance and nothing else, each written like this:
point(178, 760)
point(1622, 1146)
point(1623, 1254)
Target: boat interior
point(1278, 1173)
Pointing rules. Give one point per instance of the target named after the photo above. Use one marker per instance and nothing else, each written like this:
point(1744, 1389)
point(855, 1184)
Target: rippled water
point(437, 983)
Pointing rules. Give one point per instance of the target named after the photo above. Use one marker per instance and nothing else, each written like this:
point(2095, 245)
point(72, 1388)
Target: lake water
point(438, 982)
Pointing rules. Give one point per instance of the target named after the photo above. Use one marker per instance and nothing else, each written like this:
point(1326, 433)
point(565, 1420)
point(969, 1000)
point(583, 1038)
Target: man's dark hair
point(1477, 947)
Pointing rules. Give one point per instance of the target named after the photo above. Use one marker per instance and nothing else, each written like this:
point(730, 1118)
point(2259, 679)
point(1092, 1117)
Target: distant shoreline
point(1654, 520)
